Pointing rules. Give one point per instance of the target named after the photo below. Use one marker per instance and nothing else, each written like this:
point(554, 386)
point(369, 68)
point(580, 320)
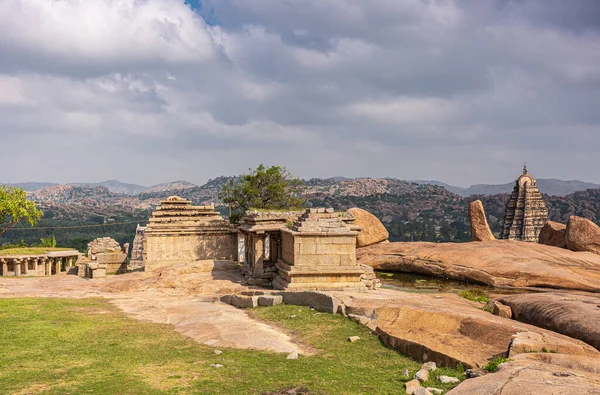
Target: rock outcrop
point(554, 234)
point(577, 316)
point(480, 230)
point(501, 263)
point(372, 232)
point(545, 373)
point(583, 235)
point(447, 329)
point(103, 245)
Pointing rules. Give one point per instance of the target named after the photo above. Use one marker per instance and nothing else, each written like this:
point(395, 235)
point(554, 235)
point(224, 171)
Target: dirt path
point(186, 297)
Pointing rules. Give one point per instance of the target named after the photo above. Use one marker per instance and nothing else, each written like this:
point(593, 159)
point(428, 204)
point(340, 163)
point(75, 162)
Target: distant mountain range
point(549, 186)
point(114, 186)
point(411, 210)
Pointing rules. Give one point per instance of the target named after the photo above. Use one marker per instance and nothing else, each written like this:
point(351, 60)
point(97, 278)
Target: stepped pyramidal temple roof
point(526, 211)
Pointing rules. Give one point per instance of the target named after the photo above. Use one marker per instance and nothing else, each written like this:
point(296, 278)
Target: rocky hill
point(411, 211)
point(552, 187)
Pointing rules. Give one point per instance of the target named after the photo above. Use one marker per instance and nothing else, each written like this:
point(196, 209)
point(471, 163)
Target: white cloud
point(325, 87)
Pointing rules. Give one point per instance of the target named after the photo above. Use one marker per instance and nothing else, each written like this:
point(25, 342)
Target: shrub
point(492, 366)
point(476, 295)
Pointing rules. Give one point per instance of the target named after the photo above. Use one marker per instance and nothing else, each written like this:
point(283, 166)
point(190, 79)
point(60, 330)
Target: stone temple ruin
point(526, 212)
point(312, 250)
point(179, 232)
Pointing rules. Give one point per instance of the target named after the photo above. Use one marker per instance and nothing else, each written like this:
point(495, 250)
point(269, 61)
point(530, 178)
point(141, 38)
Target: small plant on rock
point(476, 295)
point(492, 366)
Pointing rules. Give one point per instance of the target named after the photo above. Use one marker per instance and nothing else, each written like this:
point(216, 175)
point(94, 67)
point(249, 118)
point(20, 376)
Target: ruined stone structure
point(137, 250)
point(38, 265)
point(259, 243)
point(107, 253)
point(526, 212)
point(319, 253)
point(179, 232)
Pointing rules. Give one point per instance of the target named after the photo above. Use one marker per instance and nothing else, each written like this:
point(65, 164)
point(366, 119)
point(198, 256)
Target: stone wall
point(161, 251)
point(319, 253)
point(179, 232)
point(137, 249)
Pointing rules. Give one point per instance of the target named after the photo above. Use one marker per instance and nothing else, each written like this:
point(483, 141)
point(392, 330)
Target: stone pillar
point(18, 267)
point(241, 247)
point(267, 246)
point(259, 253)
point(4, 267)
point(57, 264)
point(48, 266)
point(126, 248)
point(26, 266)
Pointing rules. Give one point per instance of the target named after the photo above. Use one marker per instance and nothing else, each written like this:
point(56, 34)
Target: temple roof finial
point(525, 168)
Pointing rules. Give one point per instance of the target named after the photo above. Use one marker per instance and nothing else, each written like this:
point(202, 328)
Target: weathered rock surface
point(501, 310)
point(445, 328)
point(583, 235)
point(373, 231)
point(555, 374)
point(412, 386)
point(501, 263)
point(527, 342)
point(554, 234)
point(103, 244)
point(577, 316)
point(480, 230)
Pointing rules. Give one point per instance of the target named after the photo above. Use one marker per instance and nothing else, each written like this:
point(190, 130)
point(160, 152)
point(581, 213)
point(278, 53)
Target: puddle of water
point(420, 283)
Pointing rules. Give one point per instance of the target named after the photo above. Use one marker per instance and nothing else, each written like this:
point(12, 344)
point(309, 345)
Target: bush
point(476, 295)
point(492, 366)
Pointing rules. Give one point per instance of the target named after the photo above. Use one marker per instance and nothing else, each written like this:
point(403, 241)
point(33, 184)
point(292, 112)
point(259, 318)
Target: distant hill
point(169, 186)
point(116, 186)
point(549, 186)
point(411, 211)
point(32, 186)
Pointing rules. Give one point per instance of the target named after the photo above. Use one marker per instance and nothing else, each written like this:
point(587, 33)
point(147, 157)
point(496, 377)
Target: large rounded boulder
point(480, 230)
point(372, 232)
point(583, 235)
point(554, 234)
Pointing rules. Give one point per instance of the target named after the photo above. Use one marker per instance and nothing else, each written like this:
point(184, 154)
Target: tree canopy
point(263, 188)
point(15, 208)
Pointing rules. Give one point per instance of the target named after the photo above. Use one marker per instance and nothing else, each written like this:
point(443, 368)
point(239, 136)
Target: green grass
point(32, 250)
point(65, 346)
point(476, 295)
point(492, 366)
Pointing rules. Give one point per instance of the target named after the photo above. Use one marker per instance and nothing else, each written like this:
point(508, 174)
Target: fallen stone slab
point(577, 316)
point(500, 263)
point(319, 301)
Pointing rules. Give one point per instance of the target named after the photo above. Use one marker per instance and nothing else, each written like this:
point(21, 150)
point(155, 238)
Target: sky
point(148, 91)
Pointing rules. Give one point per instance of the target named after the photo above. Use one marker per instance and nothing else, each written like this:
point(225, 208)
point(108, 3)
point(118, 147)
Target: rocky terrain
point(501, 263)
point(410, 211)
point(552, 187)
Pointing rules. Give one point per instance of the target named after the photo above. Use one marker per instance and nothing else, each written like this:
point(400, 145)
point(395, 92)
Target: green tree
point(48, 241)
point(15, 208)
point(263, 188)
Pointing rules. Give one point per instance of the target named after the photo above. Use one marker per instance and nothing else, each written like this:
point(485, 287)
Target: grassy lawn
point(32, 250)
point(69, 346)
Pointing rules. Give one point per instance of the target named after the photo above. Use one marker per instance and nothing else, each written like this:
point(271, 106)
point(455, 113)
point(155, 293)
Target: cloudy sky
point(147, 91)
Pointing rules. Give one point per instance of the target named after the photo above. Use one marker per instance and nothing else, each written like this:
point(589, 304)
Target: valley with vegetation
point(412, 211)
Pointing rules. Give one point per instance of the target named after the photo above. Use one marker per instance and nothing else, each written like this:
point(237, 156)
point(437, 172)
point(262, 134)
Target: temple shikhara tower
point(526, 211)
